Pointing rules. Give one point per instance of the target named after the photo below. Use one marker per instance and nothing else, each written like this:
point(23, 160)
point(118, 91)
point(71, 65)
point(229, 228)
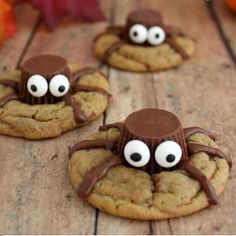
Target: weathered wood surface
point(37, 197)
point(227, 21)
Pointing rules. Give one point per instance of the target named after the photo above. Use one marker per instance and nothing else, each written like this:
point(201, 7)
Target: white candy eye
point(138, 33)
point(168, 154)
point(136, 153)
point(59, 85)
point(37, 86)
point(156, 35)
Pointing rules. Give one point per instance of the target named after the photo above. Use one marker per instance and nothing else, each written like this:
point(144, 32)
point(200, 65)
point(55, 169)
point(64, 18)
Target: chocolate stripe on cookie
point(173, 31)
point(78, 113)
point(87, 144)
point(177, 47)
point(7, 98)
point(91, 178)
point(193, 130)
point(85, 71)
point(202, 179)
point(114, 47)
point(87, 88)
point(194, 148)
point(117, 125)
point(115, 29)
point(9, 83)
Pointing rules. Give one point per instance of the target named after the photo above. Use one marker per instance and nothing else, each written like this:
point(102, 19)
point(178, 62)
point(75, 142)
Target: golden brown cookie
point(144, 44)
point(119, 176)
point(44, 102)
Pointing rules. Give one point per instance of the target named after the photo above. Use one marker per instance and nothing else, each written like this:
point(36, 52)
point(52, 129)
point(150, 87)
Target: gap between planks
point(210, 5)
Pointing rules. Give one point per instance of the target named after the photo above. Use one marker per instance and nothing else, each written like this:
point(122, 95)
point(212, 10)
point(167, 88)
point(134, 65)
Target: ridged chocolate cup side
point(46, 66)
point(145, 17)
point(152, 126)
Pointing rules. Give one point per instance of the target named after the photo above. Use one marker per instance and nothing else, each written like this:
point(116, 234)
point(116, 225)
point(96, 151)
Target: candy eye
point(137, 153)
point(138, 33)
point(168, 154)
point(37, 86)
point(156, 35)
point(59, 85)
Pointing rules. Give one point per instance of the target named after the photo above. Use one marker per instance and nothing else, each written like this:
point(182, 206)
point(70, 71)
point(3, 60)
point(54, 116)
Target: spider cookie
point(47, 97)
point(149, 167)
point(144, 44)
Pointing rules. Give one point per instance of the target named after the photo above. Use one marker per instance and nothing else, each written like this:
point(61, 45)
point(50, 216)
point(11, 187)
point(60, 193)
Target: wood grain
point(227, 20)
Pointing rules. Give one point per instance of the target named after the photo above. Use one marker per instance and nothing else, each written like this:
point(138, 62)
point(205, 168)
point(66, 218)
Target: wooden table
point(36, 194)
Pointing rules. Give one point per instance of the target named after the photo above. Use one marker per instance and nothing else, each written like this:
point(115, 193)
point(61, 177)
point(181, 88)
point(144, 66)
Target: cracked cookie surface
point(50, 120)
point(132, 193)
point(136, 58)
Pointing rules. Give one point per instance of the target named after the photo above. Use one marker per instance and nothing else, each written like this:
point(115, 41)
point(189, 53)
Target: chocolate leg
point(79, 114)
point(178, 48)
point(194, 148)
point(117, 125)
point(9, 83)
point(86, 88)
point(202, 179)
point(85, 71)
point(193, 130)
point(7, 98)
point(99, 143)
point(113, 48)
point(118, 30)
point(91, 178)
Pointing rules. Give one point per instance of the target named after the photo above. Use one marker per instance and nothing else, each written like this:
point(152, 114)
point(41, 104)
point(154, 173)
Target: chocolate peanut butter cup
point(152, 126)
point(41, 70)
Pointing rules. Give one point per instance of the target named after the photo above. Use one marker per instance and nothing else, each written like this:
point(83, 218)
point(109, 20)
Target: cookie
point(144, 44)
point(47, 97)
point(149, 167)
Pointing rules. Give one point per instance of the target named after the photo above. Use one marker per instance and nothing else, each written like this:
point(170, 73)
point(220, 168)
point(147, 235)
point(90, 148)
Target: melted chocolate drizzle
point(7, 98)
point(177, 47)
point(79, 114)
point(96, 174)
point(87, 88)
point(115, 29)
point(193, 130)
point(9, 83)
point(85, 71)
point(87, 144)
point(117, 125)
point(114, 47)
point(194, 148)
point(202, 179)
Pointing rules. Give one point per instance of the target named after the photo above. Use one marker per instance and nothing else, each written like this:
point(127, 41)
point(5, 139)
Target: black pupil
point(135, 157)
point(170, 158)
point(135, 33)
point(61, 89)
point(33, 88)
point(157, 36)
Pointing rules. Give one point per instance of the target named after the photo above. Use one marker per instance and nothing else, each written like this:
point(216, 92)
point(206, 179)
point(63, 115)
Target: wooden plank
point(131, 91)
point(202, 92)
point(38, 197)
point(227, 20)
point(10, 53)
point(11, 50)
